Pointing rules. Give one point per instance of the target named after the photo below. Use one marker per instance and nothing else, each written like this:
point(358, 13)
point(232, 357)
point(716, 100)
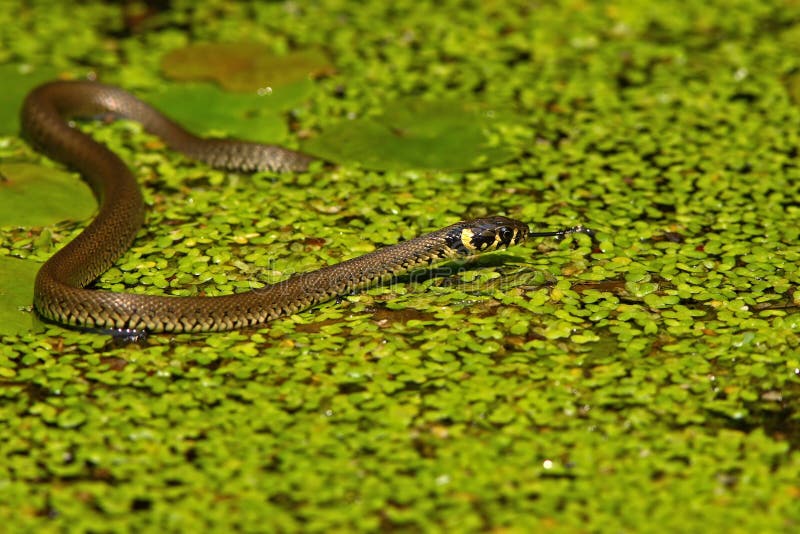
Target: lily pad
point(34, 195)
point(17, 81)
point(417, 134)
point(16, 290)
point(205, 109)
point(243, 67)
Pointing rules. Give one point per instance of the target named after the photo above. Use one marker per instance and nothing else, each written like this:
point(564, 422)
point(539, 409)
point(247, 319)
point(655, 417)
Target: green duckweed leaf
point(71, 418)
point(417, 134)
point(555, 397)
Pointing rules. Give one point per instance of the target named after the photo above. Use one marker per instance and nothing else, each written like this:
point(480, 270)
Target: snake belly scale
point(60, 292)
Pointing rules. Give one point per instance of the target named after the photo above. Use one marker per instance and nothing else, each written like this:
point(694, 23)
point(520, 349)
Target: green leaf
point(34, 195)
point(204, 109)
point(18, 80)
point(16, 294)
point(417, 134)
point(243, 67)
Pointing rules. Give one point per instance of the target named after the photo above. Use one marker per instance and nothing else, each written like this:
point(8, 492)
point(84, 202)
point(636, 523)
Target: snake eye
point(506, 234)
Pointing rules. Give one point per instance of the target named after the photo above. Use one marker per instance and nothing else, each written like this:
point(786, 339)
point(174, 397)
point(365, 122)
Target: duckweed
point(644, 380)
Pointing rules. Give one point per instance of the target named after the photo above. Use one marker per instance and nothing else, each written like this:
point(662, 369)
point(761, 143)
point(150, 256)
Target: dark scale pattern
point(60, 293)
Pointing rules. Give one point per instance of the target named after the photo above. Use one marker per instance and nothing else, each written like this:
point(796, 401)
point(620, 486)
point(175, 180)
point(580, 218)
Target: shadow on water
point(776, 414)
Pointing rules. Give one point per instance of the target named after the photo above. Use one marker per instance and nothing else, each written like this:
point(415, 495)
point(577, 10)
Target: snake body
point(60, 292)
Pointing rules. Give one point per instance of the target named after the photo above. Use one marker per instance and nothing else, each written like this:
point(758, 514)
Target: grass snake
point(61, 292)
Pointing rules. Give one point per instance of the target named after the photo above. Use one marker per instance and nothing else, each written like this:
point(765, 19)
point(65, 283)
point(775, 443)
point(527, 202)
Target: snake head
point(487, 234)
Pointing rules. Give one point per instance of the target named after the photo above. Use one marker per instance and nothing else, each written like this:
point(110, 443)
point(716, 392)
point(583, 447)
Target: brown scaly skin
point(60, 293)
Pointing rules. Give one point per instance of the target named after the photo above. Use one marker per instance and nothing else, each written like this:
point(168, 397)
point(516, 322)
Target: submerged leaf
point(17, 81)
point(417, 134)
point(244, 67)
point(16, 290)
point(205, 109)
point(34, 195)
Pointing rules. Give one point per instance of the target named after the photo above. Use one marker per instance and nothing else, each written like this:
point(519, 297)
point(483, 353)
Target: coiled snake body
point(60, 292)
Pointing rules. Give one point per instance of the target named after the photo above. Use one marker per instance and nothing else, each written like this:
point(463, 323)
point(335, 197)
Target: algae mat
point(645, 381)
